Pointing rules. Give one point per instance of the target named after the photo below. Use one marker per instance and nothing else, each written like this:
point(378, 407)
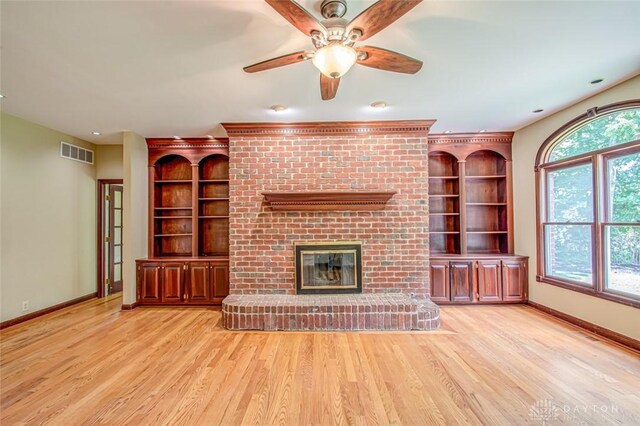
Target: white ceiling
point(175, 67)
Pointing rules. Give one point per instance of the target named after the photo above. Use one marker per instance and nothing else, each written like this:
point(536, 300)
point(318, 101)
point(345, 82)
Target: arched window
point(588, 173)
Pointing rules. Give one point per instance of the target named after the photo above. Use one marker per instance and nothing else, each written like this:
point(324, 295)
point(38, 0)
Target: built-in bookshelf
point(172, 208)
point(213, 206)
point(188, 262)
point(471, 221)
point(444, 203)
point(190, 200)
point(469, 199)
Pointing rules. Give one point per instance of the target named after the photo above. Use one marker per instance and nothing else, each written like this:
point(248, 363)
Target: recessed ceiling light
point(96, 133)
point(379, 105)
point(537, 110)
point(1, 96)
point(210, 137)
point(177, 137)
point(483, 131)
point(278, 108)
point(597, 80)
point(447, 131)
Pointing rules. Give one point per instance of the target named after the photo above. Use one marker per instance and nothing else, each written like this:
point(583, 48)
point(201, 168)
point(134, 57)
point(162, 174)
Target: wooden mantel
point(328, 201)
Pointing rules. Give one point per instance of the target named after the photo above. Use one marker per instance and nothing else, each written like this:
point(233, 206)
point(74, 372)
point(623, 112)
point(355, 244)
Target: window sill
point(629, 301)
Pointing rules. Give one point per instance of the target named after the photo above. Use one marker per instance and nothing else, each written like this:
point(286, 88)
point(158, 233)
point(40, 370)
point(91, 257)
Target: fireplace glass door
point(328, 268)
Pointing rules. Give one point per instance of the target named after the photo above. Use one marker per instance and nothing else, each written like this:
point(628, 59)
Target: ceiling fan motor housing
point(333, 8)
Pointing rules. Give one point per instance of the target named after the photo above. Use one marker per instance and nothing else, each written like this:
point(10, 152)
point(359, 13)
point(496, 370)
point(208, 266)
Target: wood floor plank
point(94, 364)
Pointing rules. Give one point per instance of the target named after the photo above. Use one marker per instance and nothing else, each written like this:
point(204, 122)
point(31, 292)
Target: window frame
point(599, 162)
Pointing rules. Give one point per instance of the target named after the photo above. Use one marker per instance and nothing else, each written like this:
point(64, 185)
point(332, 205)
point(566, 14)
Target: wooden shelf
point(443, 195)
point(214, 181)
point(213, 217)
point(173, 235)
point(444, 232)
point(173, 208)
point(486, 204)
point(487, 232)
point(486, 177)
point(182, 181)
point(328, 201)
point(172, 217)
point(214, 199)
point(443, 177)
point(444, 214)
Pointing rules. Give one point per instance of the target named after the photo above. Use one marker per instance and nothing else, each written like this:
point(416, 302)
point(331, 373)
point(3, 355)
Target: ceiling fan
point(334, 39)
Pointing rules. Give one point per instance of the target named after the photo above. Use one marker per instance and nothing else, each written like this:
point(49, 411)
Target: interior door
point(115, 239)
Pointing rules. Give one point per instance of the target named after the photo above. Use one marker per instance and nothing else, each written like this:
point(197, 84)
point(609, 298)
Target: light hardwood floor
point(93, 363)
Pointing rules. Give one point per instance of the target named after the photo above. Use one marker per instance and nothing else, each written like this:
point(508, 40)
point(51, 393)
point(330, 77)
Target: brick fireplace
point(349, 159)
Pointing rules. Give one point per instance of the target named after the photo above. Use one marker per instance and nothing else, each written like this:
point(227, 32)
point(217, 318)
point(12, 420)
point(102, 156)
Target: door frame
point(99, 242)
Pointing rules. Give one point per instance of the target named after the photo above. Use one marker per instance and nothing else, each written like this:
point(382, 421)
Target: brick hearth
point(383, 311)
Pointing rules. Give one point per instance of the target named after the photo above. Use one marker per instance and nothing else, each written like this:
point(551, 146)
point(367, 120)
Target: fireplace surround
point(349, 161)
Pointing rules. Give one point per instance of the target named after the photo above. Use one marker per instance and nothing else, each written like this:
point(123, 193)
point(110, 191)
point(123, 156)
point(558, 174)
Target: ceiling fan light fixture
point(335, 60)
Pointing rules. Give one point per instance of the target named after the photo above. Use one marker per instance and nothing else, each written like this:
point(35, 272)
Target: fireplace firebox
point(328, 267)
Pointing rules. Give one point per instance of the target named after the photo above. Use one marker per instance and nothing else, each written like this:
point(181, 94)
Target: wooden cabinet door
point(514, 280)
point(220, 279)
point(439, 278)
point(197, 282)
point(172, 281)
point(489, 281)
point(149, 279)
point(461, 276)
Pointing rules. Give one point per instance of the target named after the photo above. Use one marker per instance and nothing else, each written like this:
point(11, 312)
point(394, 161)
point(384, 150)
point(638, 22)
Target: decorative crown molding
point(331, 128)
point(188, 143)
point(493, 137)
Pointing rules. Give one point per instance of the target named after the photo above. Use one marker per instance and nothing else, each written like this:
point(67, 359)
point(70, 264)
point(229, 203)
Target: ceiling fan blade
point(297, 16)
point(328, 87)
point(280, 61)
point(388, 60)
point(380, 15)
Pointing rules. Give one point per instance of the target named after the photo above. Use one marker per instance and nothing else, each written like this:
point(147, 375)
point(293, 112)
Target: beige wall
point(48, 219)
point(135, 210)
point(109, 163)
point(614, 316)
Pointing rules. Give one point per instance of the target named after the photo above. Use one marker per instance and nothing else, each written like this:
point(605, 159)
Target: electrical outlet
point(25, 305)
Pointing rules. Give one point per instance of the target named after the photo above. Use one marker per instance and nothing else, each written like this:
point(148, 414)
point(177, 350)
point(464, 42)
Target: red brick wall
point(395, 245)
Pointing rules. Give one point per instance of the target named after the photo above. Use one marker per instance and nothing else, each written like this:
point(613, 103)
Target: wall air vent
point(73, 152)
